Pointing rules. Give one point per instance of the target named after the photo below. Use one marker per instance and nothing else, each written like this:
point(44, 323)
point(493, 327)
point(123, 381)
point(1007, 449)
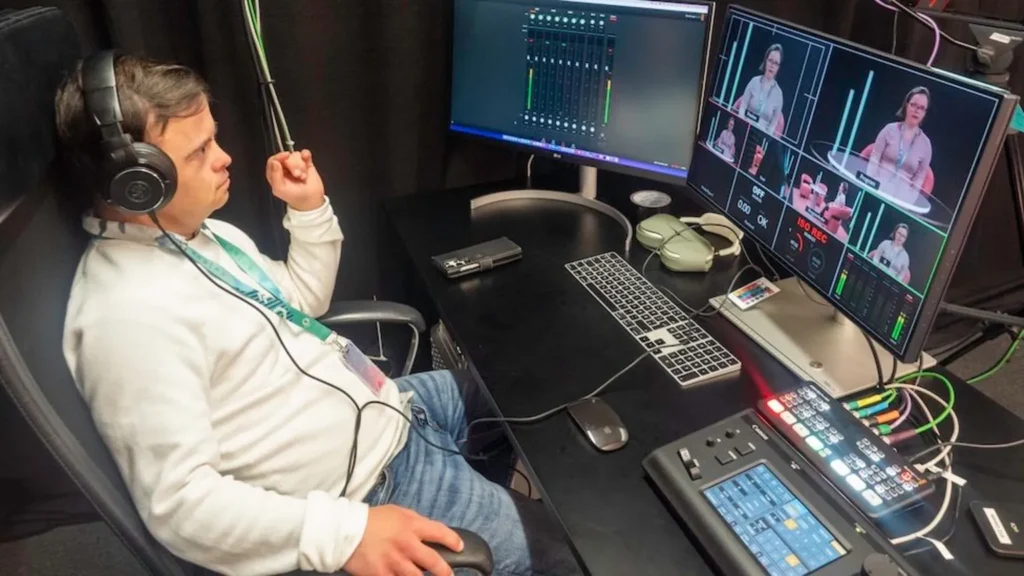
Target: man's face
point(201, 164)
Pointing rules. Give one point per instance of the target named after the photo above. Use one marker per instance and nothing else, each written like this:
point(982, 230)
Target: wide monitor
point(611, 84)
point(861, 171)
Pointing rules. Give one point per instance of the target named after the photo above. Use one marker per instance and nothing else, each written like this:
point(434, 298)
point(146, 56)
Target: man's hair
point(149, 92)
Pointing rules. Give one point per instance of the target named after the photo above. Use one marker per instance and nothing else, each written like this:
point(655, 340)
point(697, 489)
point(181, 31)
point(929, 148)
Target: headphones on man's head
point(135, 176)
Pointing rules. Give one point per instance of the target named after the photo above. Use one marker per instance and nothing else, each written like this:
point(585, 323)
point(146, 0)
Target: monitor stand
point(587, 196)
point(814, 340)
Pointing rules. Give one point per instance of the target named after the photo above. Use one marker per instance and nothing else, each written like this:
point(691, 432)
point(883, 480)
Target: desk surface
point(537, 339)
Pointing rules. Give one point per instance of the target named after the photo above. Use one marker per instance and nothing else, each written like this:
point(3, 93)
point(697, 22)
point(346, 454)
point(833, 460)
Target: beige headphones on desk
point(680, 247)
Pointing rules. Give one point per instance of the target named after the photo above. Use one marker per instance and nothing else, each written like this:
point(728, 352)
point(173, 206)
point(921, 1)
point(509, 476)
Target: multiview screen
point(852, 168)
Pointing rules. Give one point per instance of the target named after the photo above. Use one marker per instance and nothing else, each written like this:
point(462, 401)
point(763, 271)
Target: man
point(235, 459)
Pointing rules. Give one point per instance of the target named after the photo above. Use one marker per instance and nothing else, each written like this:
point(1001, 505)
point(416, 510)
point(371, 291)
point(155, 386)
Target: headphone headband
point(718, 225)
point(99, 86)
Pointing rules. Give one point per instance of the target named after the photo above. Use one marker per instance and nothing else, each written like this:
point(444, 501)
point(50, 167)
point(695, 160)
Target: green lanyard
point(271, 298)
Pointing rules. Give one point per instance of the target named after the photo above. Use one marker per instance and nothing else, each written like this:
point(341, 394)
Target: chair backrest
point(40, 245)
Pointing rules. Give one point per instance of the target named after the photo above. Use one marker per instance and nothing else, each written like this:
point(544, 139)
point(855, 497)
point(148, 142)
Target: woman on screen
point(840, 195)
point(891, 254)
point(902, 149)
point(763, 97)
point(726, 143)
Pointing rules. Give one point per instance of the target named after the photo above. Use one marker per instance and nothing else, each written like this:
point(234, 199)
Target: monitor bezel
point(592, 162)
point(964, 220)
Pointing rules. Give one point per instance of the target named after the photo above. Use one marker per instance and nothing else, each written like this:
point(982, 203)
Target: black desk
point(536, 339)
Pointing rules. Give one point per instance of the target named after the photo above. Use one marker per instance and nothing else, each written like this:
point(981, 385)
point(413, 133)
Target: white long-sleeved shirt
point(234, 459)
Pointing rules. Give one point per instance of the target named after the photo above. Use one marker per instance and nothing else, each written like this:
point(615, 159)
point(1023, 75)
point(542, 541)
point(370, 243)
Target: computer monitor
point(861, 171)
point(613, 84)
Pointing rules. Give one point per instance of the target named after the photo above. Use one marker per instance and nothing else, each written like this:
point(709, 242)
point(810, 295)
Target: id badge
point(367, 371)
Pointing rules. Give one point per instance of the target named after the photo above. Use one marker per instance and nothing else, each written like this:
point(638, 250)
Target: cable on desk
point(703, 311)
point(549, 413)
point(893, 438)
point(952, 526)
point(803, 289)
point(907, 408)
point(764, 259)
point(942, 445)
point(1000, 363)
point(959, 494)
point(914, 391)
point(947, 348)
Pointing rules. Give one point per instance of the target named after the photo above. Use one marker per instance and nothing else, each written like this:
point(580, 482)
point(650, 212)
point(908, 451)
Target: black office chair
point(39, 251)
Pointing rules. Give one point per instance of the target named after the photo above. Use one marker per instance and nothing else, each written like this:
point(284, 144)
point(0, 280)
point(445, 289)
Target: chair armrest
point(476, 553)
point(350, 312)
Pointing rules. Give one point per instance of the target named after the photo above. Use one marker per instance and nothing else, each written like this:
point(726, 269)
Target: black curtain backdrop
point(364, 85)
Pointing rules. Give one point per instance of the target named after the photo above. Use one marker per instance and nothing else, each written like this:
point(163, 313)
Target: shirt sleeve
point(311, 269)
point(151, 408)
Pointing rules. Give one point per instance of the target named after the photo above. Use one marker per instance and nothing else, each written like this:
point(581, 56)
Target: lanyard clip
point(337, 342)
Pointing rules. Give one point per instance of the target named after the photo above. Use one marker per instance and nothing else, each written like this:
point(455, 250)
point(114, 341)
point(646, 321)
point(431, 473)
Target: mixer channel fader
point(570, 56)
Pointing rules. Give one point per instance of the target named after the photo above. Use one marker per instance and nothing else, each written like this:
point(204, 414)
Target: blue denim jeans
point(523, 536)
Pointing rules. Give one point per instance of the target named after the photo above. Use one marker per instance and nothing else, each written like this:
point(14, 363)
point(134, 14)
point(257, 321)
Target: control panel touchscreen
point(774, 525)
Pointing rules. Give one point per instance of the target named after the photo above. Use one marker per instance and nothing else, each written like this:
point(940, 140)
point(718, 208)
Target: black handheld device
point(1002, 525)
point(478, 258)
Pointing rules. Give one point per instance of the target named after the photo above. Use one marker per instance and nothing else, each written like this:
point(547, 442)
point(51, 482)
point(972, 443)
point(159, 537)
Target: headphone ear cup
point(145, 185)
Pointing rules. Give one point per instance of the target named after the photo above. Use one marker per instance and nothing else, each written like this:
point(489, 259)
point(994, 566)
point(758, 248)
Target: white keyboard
point(654, 320)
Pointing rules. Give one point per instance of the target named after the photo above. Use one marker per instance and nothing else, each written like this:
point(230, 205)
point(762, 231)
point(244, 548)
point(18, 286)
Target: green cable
point(949, 406)
point(256, 26)
point(883, 403)
point(1002, 361)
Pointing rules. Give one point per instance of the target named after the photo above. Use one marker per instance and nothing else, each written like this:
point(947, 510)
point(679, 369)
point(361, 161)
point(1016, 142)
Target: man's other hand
point(393, 545)
point(294, 179)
